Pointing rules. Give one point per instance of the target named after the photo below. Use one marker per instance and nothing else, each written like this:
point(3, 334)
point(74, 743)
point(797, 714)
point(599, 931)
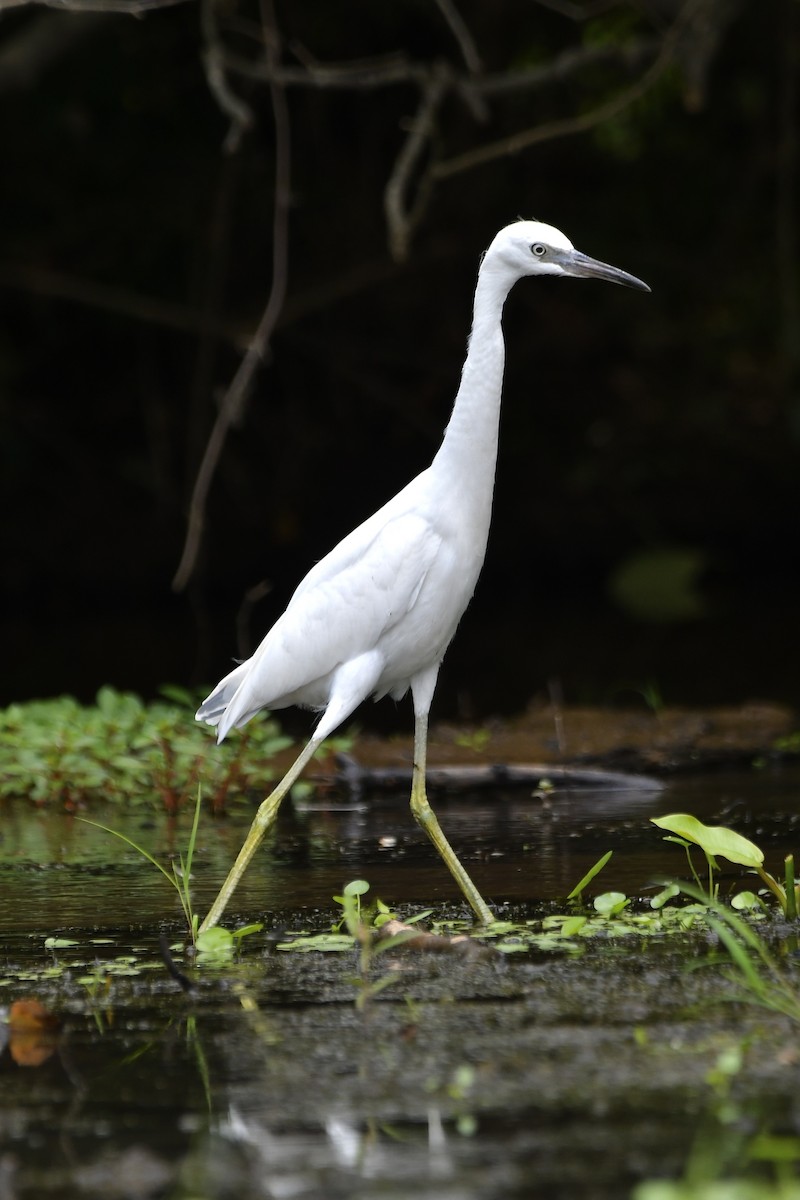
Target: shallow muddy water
point(573, 1071)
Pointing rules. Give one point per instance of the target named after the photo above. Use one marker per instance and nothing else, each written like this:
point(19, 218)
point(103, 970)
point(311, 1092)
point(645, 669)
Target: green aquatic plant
point(717, 841)
point(123, 749)
point(580, 888)
point(610, 916)
point(759, 977)
point(717, 1151)
point(788, 894)
point(461, 1090)
point(714, 840)
point(214, 946)
point(727, 1160)
point(218, 947)
point(365, 931)
point(179, 875)
point(789, 743)
point(476, 739)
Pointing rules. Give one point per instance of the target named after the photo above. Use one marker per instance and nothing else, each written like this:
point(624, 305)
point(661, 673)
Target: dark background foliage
point(645, 530)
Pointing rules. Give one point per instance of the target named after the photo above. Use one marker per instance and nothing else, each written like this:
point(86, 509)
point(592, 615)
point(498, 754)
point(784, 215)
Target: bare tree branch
point(578, 12)
point(402, 215)
point(434, 82)
point(234, 399)
point(381, 71)
point(393, 69)
point(151, 309)
point(239, 113)
point(565, 66)
point(132, 8)
point(569, 126)
point(466, 42)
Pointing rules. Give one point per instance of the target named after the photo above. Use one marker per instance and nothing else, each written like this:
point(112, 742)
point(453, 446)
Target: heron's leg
point(264, 818)
point(426, 817)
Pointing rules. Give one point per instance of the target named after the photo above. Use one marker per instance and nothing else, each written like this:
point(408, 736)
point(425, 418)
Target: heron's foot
point(427, 819)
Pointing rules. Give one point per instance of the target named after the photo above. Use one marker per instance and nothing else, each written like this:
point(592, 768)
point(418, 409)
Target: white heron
point(376, 615)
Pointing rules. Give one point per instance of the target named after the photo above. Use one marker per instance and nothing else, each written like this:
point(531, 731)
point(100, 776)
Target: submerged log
point(471, 777)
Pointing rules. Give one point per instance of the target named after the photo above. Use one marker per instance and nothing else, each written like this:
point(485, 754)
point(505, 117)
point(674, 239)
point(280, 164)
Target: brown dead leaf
point(33, 1032)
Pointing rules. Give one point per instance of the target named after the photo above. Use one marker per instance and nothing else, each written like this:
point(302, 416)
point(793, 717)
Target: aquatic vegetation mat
point(120, 748)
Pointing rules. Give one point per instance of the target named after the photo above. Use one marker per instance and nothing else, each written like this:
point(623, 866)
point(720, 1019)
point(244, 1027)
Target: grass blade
point(577, 891)
point(134, 846)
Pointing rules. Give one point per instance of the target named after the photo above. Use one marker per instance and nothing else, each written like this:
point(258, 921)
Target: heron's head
point(532, 248)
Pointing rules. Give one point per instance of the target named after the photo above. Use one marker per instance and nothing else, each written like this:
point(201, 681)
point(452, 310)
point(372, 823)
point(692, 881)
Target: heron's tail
point(213, 708)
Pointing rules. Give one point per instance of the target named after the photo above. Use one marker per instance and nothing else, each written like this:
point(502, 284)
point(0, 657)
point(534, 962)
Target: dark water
point(543, 1074)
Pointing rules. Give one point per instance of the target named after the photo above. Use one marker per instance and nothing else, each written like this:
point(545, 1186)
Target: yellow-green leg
point(426, 818)
point(264, 819)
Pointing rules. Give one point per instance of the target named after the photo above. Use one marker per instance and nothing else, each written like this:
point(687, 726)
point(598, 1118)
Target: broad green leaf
point(215, 943)
point(247, 930)
point(335, 942)
point(213, 938)
point(356, 887)
point(713, 839)
point(572, 925)
point(609, 904)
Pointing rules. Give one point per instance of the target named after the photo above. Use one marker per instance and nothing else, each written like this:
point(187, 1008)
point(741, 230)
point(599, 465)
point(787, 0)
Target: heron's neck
point(468, 453)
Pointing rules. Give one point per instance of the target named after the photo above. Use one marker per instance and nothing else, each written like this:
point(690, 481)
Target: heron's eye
point(538, 249)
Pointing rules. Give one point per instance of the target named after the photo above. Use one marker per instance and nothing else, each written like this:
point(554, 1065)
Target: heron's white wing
point(384, 533)
point(336, 614)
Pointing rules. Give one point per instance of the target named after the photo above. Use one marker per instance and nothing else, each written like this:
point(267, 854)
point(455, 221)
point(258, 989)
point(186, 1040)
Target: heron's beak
point(584, 267)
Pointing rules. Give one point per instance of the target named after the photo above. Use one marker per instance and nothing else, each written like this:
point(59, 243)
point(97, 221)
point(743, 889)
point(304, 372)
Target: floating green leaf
point(573, 925)
point(335, 942)
point(215, 945)
point(609, 904)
